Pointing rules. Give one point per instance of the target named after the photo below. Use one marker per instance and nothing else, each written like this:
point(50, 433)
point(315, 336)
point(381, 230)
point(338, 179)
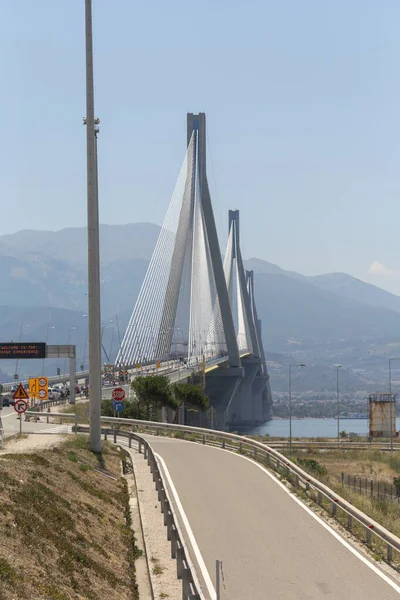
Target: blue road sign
point(117, 405)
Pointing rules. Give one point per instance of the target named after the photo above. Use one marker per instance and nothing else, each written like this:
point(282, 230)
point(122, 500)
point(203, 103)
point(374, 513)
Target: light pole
point(20, 340)
point(290, 400)
point(93, 245)
point(47, 338)
point(337, 402)
point(390, 399)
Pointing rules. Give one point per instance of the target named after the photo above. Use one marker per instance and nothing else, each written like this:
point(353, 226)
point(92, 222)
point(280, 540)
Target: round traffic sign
point(42, 382)
point(20, 406)
point(42, 394)
point(118, 394)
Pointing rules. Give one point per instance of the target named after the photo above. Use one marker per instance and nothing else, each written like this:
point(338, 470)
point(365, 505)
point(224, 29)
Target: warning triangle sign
point(20, 393)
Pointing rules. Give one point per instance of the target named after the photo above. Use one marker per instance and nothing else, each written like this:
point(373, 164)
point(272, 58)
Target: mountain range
point(323, 318)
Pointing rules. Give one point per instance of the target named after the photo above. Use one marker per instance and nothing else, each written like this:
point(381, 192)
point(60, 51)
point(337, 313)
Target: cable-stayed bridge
point(195, 307)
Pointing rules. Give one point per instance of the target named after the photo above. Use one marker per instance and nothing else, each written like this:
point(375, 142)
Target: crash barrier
point(338, 507)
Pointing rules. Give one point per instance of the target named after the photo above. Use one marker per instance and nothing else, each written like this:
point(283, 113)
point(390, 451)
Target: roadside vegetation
point(154, 392)
point(65, 525)
point(328, 465)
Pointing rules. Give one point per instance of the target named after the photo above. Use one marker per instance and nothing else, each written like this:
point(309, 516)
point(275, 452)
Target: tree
point(131, 410)
point(190, 394)
point(153, 392)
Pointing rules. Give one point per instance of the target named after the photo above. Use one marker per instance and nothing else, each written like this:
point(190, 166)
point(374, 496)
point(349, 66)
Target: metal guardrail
point(184, 569)
point(272, 458)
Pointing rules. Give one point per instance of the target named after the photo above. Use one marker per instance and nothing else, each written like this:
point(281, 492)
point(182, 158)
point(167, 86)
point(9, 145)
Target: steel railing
point(271, 458)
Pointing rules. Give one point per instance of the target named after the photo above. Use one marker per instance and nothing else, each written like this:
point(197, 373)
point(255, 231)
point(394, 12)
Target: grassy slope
point(63, 525)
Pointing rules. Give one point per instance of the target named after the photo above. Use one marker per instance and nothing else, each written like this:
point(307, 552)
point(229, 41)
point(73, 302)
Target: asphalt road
point(271, 547)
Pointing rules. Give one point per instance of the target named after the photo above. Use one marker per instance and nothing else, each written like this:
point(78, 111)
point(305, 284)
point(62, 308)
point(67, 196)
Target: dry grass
point(370, 464)
point(81, 409)
point(64, 532)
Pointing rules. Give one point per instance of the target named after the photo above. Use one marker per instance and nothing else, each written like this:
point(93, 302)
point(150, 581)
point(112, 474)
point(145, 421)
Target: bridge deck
point(271, 547)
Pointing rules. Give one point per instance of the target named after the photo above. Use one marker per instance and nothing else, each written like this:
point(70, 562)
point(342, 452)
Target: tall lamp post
point(338, 402)
point(93, 245)
point(390, 398)
point(290, 400)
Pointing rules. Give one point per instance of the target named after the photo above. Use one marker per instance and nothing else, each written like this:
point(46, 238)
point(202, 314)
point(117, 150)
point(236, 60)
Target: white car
point(53, 394)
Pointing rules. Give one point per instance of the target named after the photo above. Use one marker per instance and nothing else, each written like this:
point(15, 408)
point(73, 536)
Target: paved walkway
point(271, 547)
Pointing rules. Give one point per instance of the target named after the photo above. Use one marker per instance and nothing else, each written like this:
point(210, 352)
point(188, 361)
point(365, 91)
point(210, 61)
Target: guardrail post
point(169, 525)
point(145, 454)
point(349, 521)
point(268, 459)
point(372, 487)
point(240, 447)
point(342, 479)
point(255, 453)
point(319, 497)
point(389, 553)
point(166, 511)
point(162, 499)
point(368, 536)
point(130, 441)
point(185, 583)
point(115, 436)
point(47, 419)
point(174, 539)
point(179, 562)
point(76, 423)
point(105, 434)
point(140, 447)
point(204, 438)
point(334, 508)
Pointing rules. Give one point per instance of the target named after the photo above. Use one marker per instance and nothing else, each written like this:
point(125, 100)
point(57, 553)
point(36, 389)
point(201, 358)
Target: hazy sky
point(302, 102)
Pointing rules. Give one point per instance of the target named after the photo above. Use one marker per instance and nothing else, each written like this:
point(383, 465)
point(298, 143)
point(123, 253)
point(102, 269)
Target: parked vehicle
point(8, 401)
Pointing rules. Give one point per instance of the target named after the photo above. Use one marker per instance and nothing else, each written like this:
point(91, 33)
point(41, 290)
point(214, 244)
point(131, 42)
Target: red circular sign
point(118, 394)
point(20, 406)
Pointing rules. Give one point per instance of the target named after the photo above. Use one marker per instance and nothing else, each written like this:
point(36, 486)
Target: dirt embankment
point(64, 525)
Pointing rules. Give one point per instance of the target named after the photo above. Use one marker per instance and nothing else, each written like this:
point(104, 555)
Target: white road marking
point(326, 525)
point(13, 414)
point(196, 550)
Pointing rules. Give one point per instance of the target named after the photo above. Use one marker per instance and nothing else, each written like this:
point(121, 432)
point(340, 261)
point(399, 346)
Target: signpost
point(20, 393)
point(118, 395)
point(39, 388)
point(117, 406)
point(20, 407)
point(22, 350)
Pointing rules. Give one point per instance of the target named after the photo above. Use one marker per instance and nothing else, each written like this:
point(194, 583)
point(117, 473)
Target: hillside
point(322, 319)
point(64, 525)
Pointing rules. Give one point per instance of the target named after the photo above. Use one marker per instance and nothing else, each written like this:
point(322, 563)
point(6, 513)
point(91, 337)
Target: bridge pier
point(221, 388)
point(242, 410)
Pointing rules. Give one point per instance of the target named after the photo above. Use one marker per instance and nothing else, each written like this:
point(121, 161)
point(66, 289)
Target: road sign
point(20, 406)
point(38, 387)
point(118, 394)
point(20, 393)
point(23, 350)
point(118, 406)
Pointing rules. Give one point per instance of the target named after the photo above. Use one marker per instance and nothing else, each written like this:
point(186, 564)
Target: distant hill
point(322, 319)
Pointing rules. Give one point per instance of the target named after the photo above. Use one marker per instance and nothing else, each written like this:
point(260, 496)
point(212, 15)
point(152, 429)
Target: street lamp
point(20, 340)
point(290, 400)
point(390, 399)
point(337, 401)
point(47, 337)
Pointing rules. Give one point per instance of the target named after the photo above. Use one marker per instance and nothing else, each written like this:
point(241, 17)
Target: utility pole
point(93, 246)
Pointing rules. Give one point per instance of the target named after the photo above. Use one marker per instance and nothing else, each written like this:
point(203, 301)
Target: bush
point(132, 410)
point(312, 465)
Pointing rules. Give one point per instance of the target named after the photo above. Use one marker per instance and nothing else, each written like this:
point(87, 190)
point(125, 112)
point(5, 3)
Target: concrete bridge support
point(244, 405)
